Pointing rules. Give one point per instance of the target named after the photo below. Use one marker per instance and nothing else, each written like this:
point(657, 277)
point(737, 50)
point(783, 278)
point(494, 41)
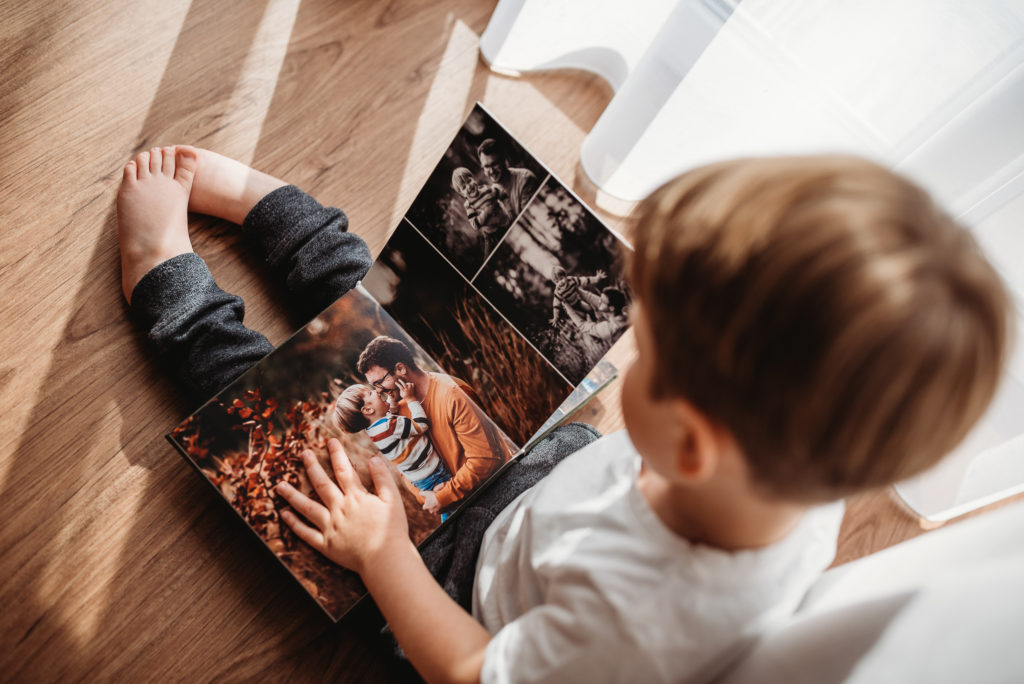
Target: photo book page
point(480, 327)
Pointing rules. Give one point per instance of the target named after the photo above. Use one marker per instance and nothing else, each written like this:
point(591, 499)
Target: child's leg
point(304, 243)
point(195, 326)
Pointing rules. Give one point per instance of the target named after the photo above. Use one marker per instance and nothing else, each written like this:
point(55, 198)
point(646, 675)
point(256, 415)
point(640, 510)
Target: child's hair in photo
point(348, 409)
point(461, 178)
point(842, 327)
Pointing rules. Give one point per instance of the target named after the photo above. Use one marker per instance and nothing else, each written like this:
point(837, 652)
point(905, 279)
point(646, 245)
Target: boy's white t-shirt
point(578, 580)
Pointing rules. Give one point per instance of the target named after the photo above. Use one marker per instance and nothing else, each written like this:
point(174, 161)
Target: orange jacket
point(465, 438)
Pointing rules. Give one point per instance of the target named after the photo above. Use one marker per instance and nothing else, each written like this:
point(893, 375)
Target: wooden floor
point(117, 562)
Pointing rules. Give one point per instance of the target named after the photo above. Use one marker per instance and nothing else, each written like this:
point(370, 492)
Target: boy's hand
point(405, 389)
point(353, 527)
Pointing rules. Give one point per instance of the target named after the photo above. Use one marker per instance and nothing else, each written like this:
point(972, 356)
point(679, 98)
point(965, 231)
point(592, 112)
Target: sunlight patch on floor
point(103, 512)
point(246, 109)
point(451, 84)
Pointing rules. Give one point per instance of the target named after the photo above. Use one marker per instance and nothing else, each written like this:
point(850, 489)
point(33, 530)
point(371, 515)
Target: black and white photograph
point(516, 386)
point(481, 185)
point(558, 277)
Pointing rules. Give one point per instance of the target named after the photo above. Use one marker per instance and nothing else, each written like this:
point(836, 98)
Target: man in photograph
point(519, 184)
point(467, 441)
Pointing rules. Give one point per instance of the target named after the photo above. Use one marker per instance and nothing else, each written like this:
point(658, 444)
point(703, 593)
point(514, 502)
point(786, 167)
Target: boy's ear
point(400, 369)
point(699, 451)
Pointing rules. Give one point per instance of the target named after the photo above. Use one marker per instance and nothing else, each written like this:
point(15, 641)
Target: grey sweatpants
point(197, 331)
point(197, 328)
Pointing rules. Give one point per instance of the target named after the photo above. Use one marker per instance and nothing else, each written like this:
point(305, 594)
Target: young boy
point(806, 328)
point(401, 440)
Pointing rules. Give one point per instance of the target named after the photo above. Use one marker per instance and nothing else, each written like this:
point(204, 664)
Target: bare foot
point(226, 188)
point(152, 211)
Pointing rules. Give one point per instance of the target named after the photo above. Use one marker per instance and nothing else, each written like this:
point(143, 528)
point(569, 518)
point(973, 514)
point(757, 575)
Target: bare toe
point(167, 161)
point(186, 161)
point(155, 160)
point(142, 163)
point(130, 172)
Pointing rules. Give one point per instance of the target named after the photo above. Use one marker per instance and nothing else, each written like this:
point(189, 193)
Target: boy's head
point(358, 407)
point(465, 183)
point(843, 329)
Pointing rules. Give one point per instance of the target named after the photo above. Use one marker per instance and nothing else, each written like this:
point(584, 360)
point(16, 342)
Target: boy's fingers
point(303, 531)
point(311, 510)
point(327, 490)
point(343, 470)
point(385, 485)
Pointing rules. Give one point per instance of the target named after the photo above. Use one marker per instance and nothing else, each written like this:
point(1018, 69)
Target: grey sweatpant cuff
point(307, 245)
point(195, 327)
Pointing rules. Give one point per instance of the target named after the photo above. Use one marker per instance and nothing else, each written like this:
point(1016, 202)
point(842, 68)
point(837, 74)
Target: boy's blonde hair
point(461, 178)
point(348, 409)
point(824, 310)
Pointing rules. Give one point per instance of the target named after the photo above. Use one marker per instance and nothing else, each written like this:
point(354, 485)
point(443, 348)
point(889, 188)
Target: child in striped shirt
point(401, 440)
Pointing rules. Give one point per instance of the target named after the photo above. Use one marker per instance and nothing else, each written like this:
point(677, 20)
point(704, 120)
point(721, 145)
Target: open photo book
point(480, 327)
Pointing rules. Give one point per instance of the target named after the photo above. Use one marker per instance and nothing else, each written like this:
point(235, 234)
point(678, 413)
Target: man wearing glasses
point(469, 443)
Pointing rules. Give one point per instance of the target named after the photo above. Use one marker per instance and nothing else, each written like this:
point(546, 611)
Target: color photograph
point(481, 185)
point(353, 374)
point(558, 276)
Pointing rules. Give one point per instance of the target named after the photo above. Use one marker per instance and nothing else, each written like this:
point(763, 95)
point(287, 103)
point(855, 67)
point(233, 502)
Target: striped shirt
point(403, 441)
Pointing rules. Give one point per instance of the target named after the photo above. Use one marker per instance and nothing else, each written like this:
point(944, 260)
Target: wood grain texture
point(117, 562)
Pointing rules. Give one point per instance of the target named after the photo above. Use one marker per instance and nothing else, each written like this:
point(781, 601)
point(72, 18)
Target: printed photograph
point(354, 374)
point(558, 276)
point(516, 386)
point(482, 183)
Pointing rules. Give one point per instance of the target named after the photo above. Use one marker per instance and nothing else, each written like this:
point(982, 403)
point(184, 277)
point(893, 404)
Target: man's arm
point(482, 447)
point(576, 319)
point(368, 533)
point(529, 185)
